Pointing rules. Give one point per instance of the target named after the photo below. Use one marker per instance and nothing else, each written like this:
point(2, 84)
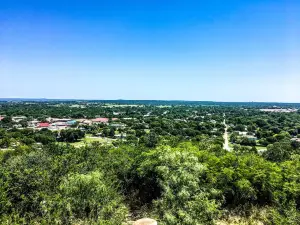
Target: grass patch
point(6, 149)
point(258, 147)
point(89, 139)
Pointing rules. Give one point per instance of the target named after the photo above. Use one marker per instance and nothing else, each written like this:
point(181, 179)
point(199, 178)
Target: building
point(71, 122)
point(251, 137)
point(60, 124)
point(103, 120)
point(100, 120)
point(33, 123)
point(278, 110)
point(43, 125)
point(84, 121)
point(17, 126)
point(54, 120)
point(18, 118)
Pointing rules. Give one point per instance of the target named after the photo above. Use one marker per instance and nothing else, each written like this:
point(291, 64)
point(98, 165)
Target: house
point(43, 125)
point(1, 118)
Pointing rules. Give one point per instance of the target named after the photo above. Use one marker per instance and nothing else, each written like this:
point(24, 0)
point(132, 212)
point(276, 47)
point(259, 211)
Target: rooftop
point(43, 125)
point(101, 120)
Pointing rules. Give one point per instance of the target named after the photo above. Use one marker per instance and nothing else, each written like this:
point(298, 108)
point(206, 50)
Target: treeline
point(15, 137)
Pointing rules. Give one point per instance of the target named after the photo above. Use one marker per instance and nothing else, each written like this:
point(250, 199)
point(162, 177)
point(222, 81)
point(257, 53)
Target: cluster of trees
point(70, 135)
point(16, 137)
point(194, 182)
point(267, 127)
point(242, 140)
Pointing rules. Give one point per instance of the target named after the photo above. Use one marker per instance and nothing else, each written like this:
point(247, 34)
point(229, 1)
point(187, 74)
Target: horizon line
point(173, 100)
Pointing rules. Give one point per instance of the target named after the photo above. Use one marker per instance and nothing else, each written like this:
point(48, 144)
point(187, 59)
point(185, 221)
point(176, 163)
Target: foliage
point(171, 165)
point(89, 196)
point(177, 173)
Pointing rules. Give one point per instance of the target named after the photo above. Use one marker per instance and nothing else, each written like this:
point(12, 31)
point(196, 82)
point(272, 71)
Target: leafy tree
point(278, 152)
point(6, 120)
point(5, 142)
point(90, 196)
point(151, 140)
point(71, 135)
point(176, 177)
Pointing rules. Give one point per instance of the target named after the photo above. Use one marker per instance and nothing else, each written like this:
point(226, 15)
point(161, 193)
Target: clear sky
point(234, 50)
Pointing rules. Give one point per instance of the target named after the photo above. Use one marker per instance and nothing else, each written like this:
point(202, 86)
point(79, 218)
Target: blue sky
point(188, 50)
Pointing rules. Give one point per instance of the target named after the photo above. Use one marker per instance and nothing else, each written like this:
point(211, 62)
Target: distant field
point(164, 106)
point(116, 105)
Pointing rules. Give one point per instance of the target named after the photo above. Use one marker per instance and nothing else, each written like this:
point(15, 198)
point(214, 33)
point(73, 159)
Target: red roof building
point(1, 118)
point(43, 125)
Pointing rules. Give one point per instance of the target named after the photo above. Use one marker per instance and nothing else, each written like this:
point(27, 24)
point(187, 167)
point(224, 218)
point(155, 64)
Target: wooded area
point(164, 161)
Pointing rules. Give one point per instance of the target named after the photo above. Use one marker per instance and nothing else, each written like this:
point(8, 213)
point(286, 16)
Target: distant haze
point(187, 50)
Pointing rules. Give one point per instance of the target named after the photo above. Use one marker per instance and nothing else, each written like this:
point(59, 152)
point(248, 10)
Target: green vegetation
point(170, 166)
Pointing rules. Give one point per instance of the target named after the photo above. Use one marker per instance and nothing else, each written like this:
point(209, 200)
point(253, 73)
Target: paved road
point(226, 137)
